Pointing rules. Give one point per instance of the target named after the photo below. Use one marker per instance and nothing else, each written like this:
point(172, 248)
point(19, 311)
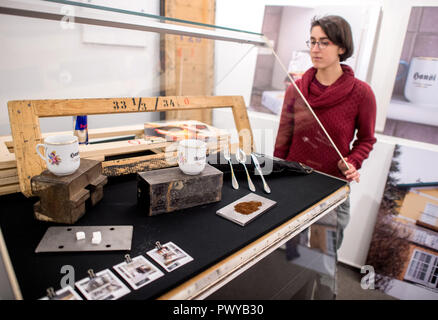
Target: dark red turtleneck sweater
point(343, 107)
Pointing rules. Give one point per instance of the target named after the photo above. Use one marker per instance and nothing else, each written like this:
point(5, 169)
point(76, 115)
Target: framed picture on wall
point(413, 110)
point(404, 245)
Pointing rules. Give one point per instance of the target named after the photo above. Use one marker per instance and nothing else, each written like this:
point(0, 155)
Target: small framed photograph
point(67, 293)
point(138, 272)
point(103, 286)
point(169, 256)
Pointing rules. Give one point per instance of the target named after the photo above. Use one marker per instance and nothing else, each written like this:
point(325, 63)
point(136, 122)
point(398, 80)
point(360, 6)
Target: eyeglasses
point(321, 44)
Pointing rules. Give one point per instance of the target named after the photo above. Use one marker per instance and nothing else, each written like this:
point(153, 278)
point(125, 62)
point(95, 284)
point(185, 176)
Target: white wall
point(42, 60)
point(240, 80)
point(365, 198)
point(235, 63)
point(293, 33)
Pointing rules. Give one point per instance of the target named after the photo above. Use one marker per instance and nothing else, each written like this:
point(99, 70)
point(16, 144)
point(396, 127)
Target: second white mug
point(192, 156)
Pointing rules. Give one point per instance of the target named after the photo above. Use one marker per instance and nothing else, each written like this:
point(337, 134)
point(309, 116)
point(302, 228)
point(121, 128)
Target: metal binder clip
point(91, 274)
point(51, 293)
point(158, 245)
point(128, 258)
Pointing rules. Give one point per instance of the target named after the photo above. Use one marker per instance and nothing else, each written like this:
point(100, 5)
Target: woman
point(342, 103)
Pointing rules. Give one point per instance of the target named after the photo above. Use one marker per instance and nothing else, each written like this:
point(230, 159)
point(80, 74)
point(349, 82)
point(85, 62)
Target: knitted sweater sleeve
point(365, 124)
point(285, 129)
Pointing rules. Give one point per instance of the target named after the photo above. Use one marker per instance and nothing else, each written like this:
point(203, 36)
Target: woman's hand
point(350, 173)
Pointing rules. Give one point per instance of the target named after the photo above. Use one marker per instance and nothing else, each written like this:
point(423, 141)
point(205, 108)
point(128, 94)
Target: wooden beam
point(74, 107)
point(243, 126)
point(26, 135)
point(189, 61)
point(118, 148)
point(7, 159)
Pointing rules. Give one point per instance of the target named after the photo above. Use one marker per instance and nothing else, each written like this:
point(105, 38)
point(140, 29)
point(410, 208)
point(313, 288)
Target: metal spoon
point(259, 169)
point(241, 157)
point(227, 157)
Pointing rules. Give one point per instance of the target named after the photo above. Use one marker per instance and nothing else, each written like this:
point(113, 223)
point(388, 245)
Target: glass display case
point(127, 65)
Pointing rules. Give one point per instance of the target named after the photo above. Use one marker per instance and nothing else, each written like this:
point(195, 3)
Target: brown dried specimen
point(247, 207)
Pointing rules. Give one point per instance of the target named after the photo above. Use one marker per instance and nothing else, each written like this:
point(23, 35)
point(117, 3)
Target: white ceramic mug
point(192, 156)
point(61, 153)
point(422, 81)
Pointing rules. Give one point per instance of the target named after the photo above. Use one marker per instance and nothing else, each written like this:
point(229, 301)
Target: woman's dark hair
point(338, 31)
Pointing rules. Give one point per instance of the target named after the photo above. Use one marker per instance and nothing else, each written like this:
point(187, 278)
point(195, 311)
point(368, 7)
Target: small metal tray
point(63, 239)
point(229, 213)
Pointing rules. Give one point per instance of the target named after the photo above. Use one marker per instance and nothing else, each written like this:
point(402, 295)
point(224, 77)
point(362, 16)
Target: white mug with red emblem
point(61, 154)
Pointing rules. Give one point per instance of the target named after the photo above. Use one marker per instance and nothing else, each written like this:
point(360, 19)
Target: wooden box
point(63, 198)
point(169, 189)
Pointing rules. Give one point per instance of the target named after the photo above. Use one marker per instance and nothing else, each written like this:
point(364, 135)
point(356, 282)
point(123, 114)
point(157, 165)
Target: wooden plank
point(243, 126)
point(96, 133)
point(118, 148)
point(8, 164)
point(97, 158)
point(99, 133)
point(7, 159)
point(26, 135)
point(9, 180)
point(158, 150)
point(9, 144)
point(75, 107)
point(138, 164)
point(11, 188)
point(6, 173)
point(189, 62)
point(4, 152)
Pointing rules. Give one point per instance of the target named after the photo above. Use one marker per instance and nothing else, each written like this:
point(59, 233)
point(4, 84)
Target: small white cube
point(97, 237)
point(80, 235)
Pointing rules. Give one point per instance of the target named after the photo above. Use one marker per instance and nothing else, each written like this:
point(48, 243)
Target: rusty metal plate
point(63, 239)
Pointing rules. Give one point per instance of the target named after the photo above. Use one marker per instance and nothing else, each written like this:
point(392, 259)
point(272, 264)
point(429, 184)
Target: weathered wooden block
point(63, 198)
point(167, 190)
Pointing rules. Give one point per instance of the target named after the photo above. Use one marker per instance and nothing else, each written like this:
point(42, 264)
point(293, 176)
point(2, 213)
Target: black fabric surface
point(269, 165)
point(204, 235)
